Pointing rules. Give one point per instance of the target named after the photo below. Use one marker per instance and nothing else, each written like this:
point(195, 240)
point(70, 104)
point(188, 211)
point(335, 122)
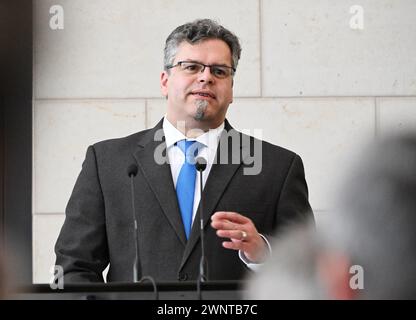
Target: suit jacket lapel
point(218, 180)
point(159, 177)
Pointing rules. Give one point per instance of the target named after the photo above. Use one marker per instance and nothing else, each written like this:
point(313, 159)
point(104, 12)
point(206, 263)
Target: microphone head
point(200, 164)
point(132, 170)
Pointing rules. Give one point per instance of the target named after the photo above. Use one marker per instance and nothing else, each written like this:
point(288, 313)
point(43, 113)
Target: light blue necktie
point(185, 185)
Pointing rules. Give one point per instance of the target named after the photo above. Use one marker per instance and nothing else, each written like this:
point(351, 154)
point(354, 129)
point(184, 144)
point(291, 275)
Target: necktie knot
point(190, 149)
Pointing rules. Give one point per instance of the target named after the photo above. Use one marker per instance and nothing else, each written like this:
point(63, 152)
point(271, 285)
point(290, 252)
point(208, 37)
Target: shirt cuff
point(248, 263)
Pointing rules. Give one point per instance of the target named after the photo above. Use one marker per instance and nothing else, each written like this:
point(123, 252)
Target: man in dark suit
point(246, 198)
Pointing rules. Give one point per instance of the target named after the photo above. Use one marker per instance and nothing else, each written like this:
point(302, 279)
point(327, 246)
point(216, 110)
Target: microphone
point(132, 172)
point(201, 165)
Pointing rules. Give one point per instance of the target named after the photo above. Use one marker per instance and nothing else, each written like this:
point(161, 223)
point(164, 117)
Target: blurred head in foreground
point(2, 277)
point(368, 251)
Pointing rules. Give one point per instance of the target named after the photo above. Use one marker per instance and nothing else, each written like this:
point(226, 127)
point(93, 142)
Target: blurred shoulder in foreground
point(368, 250)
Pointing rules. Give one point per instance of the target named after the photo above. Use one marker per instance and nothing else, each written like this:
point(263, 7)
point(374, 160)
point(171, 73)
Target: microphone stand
point(136, 238)
point(201, 165)
point(132, 172)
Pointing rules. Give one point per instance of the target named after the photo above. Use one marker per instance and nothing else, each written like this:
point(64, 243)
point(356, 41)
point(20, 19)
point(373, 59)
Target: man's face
point(200, 99)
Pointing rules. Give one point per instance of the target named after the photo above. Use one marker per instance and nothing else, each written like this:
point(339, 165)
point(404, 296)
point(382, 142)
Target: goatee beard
point(201, 106)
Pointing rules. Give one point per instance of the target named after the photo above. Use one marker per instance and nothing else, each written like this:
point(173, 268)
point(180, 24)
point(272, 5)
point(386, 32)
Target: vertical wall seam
point(260, 30)
point(376, 119)
point(146, 120)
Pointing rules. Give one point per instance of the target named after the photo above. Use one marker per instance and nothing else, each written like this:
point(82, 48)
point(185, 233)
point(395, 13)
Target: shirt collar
point(209, 139)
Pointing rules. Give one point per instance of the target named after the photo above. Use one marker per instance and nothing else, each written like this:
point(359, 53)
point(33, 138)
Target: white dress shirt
point(176, 158)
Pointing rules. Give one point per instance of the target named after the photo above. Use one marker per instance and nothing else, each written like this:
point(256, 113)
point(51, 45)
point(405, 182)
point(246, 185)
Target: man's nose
point(206, 76)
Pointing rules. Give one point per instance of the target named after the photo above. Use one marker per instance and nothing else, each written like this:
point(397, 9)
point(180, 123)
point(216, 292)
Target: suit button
point(182, 276)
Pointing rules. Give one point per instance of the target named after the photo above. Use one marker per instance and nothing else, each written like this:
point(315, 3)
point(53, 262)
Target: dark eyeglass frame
point(203, 66)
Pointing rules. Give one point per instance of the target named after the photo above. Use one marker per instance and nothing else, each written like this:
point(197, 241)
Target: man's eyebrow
point(189, 60)
point(214, 64)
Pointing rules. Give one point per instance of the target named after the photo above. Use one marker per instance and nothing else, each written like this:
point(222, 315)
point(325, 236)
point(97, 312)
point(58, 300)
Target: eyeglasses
point(192, 67)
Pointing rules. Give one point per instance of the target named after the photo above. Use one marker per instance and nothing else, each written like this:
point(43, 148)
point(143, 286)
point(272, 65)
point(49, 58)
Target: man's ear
point(232, 86)
point(333, 273)
point(164, 78)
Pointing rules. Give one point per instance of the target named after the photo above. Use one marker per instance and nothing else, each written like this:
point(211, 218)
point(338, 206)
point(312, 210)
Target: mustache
point(203, 89)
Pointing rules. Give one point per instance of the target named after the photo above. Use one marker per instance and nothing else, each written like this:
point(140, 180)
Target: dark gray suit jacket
point(98, 228)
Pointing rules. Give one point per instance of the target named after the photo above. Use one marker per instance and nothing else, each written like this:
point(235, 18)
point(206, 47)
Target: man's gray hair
point(200, 30)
